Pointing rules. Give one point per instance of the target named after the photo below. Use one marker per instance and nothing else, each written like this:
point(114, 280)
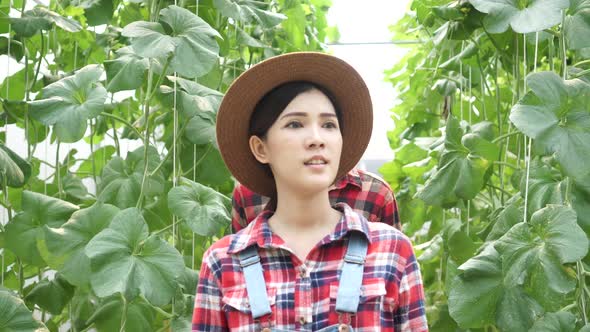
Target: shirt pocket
point(239, 312)
point(371, 303)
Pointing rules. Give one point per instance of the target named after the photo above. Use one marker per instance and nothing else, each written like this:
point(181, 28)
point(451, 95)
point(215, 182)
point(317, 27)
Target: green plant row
point(113, 241)
point(492, 147)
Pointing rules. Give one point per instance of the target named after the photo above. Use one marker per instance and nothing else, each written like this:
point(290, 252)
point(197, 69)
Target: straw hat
point(332, 73)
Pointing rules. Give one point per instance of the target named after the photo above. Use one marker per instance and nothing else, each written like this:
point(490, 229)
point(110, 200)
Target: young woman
point(288, 128)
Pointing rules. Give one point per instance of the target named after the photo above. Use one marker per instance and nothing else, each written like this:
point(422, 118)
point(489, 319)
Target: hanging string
point(470, 96)
point(527, 140)
point(461, 85)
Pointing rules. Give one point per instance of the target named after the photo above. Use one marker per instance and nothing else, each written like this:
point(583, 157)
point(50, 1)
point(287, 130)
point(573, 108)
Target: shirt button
point(343, 328)
point(302, 320)
point(302, 272)
point(266, 329)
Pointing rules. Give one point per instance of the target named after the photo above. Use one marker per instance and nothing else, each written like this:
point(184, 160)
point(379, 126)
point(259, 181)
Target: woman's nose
point(315, 138)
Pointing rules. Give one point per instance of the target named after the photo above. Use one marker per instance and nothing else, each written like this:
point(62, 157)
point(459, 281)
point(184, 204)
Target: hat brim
point(330, 72)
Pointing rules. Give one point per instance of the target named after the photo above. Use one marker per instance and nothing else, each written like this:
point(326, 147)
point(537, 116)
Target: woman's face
point(304, 144)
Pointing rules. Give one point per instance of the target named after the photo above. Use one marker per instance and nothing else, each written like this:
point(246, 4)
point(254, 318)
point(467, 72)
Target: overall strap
point(250, 262)
point(349, 288)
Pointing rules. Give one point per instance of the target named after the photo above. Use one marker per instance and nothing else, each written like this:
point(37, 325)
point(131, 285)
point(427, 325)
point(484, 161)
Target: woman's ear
point(258, 148)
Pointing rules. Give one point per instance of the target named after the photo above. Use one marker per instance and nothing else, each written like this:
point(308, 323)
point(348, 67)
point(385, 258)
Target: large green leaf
point(192, 98)
point(461, 168)
point(26, 228)
point(15, 316)
point(556, 114)
point(97, 12)
point(68, 103)
point(537, 250)
point(201, 129)
point(126, 259)
point(562, 321)
point(577, 24)
point(523, 16)
point(65, 245)
point(16, 170)
point(204, 209)
point(101, 157)
point(478, 296)
point(40, 18)
point(51, 295)
point(185, 37)
point(107, 317)
point(248, 12)
point(127, 71)
point(16, 48)
point(546, 186)
point(121, 179)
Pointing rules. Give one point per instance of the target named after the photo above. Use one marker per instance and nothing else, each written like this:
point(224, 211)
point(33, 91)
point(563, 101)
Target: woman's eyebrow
point(304, 114)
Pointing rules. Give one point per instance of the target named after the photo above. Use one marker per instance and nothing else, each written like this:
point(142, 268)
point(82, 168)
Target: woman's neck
point(304, 212)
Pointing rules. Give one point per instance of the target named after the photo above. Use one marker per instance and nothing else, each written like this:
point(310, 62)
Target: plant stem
point(125, 122)
point(92, 152)
point(123, 314)
point(146, 141)
point(582, 281)
point(199, 161)
point(57, 170)
point(501, 137)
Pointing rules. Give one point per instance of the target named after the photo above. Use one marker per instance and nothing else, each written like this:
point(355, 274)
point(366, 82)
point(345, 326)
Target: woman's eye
point(294, 124)
point(330, 125)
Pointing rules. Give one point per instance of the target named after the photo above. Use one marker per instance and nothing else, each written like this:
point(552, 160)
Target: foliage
point(111, 241)
point(491, 144)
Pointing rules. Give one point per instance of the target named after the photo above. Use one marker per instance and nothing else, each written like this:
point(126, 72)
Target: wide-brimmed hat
point(331, 73)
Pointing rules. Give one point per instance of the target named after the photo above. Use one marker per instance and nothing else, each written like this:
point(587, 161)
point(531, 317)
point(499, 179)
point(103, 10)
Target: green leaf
point(478, 296)
point(461, 169)
point(505, 217)
point(247, 12)
point(126, 259)
point(188, 39)
point(65, 245)
point(577, 24)
point(121, 179)
point(74, 187)
point(107, 317)
point(15, 316)
point(101, 156)
point(201, 129)
point(562, 321)
point(204, 209)
point(16, 170)
point(97, 12)
point(16, 48)
point(545, 186)
point(192, 98)
point(26, 228)
point(243, 38)
point(40, 18)
point(523, 16)
point(13, 87)
point(51, 295)
point(556, 114)
point(537, 250)
point(127, 71)
point(68, 103)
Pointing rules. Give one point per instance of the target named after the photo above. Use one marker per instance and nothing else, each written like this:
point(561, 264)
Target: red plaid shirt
point(366, 193)
point(302, 295)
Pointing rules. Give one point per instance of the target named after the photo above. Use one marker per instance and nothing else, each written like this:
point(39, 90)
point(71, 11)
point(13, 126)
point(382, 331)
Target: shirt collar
point(259, 232)
point(353, 177)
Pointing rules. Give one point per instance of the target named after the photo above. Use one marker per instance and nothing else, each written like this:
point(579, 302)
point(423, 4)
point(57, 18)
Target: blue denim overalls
point(349, 288)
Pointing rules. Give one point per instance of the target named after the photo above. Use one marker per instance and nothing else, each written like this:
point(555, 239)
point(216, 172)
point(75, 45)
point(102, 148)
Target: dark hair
point(274, 103)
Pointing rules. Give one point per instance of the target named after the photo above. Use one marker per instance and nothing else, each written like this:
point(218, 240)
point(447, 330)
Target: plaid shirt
point(366, 193)
point(302, 295)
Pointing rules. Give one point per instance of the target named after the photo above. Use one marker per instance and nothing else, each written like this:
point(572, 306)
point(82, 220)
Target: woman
point(287, 128)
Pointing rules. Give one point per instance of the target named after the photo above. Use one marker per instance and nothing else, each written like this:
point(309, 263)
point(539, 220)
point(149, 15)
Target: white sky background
point(367, 22)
